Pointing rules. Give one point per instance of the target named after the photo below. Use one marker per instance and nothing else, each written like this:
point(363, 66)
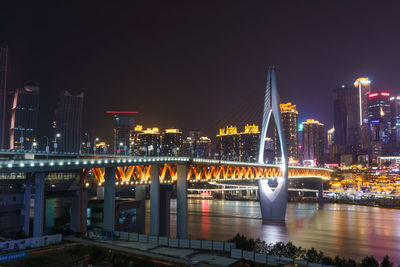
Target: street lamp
point(55, 141)
point(120, 145)
point(94, 147)
point(87, 143)
point(34, 144)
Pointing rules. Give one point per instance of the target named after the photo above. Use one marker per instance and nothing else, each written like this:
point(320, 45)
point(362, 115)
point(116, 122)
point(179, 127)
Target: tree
point(369, 261)
point(386, 262)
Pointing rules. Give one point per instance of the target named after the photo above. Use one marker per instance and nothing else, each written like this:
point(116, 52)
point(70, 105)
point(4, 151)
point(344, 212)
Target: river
point(350, 231)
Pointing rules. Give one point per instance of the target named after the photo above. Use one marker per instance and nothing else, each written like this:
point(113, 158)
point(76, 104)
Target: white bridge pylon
point(273, 202)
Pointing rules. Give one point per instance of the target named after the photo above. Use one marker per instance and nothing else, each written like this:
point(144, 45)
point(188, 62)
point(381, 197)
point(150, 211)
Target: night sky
point(197, 64)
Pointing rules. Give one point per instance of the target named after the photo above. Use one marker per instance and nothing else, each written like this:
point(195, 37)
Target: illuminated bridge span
point(137, 170)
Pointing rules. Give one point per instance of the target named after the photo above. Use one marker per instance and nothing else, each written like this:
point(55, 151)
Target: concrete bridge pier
point(100, 192)
point(79, 211)
point(181, 202)
point(155, 199)
point(50, 205)
point(27, 209)
point(140, 194)
point(320, 194)
point(165, 208)
point(109, 200)
point(273, 203)
point(38, 217)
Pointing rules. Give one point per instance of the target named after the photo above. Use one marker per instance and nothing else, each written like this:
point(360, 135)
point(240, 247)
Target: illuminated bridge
point(137, 170)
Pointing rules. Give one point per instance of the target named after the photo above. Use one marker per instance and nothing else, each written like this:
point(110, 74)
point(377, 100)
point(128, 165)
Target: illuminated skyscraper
point(395, 135)
point(380, 121)
point(124, 122)
point(145, 142)
point(346, 119)
point(203, 147)
point(68, 122)
point(313, 142)
point(24, 117)
point(228, 143)
point(290, 128)
point(3, 93)
point(171, 142)
point(364, 89)
point(249, 141)
point(330, 139)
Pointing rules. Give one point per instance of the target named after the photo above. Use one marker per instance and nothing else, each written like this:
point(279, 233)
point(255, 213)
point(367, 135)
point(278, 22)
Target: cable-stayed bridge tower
point(273, 202)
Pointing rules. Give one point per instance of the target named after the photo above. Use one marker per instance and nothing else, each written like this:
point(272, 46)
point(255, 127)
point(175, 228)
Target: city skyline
point(135, 60)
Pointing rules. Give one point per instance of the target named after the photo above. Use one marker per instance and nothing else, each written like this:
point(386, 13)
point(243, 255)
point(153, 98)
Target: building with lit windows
point(68, 122)
point(330, 136)
point(203, 147)
point(171, 142)
point(146, 142)
point(124, 123)
point(346, 120)
point(395, 134)
point(228, 143)
point(249, 141)
point(313, 142)
point(380, 121)
point(24, 117)
point(363, 86)
point(290, 129)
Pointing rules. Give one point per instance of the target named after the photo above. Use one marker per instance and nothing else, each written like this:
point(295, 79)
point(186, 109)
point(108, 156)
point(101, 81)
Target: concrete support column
point(140, 194)
point(165, 208)
point(223, 192)
point(79, 211)
point(27, 209)
point(39, 205)
point(109, 200)
point(50, 204)
point(320, 192)
point(155, 200)
point(181, 202)
point(100, 192)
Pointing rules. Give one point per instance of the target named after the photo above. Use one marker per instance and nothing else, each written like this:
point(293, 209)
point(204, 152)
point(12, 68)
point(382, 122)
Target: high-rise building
point(146, 142)
point(290, 129)
point(3, 93)
point(313, 142)
point(124, 123)
point(203, 147)
point(171, 142)
point(346, 119)
point(24, 117)
point(190, 145)
point(68, 122)
point(331, 136)
point(228, 143)
point(380, 121)
point(249, 141)
point(364, 89)
point(395, 135)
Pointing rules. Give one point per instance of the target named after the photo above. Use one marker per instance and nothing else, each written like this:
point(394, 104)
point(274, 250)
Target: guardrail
point(175, 242)
point(30, 242)
point(213, 246)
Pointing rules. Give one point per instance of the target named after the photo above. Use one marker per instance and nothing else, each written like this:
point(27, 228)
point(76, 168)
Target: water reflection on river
point(336, 229)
